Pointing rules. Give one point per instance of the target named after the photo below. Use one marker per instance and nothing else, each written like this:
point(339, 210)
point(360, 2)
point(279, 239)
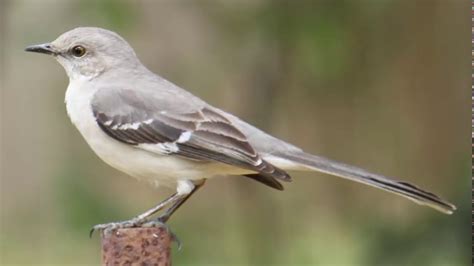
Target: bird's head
point(86, 52)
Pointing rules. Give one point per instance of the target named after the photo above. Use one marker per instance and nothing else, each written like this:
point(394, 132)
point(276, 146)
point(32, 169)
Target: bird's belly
point(157, 169)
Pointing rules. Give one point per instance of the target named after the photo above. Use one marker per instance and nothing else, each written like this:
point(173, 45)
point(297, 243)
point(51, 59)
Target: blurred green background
point(381, 84)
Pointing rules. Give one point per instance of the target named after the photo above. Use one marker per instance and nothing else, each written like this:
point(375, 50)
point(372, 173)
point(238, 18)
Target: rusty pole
point(137, 246)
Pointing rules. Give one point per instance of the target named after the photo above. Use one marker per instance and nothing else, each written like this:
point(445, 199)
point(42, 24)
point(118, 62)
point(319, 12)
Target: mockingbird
point(153, 130)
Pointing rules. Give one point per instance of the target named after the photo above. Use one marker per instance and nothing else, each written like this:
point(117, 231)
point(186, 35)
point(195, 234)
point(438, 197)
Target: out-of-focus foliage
point(379, 84)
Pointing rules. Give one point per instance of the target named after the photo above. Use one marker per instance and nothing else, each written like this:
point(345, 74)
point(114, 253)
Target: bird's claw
point(109, 227)
point(159, 223)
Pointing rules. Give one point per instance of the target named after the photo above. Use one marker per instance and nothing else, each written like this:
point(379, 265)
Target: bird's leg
point(140, 219)
point(162, 219)
point(168, 212)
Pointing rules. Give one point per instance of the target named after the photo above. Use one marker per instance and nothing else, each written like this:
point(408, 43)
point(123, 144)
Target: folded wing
point(191, 130)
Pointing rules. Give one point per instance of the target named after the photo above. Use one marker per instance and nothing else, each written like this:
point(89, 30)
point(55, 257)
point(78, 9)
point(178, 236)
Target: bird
point(146, 126)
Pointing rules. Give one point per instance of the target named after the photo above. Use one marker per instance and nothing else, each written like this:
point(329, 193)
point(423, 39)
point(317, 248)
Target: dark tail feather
point(411, 192)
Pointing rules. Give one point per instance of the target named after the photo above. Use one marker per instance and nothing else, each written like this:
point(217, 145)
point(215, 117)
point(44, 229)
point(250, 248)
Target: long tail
point(409, 191)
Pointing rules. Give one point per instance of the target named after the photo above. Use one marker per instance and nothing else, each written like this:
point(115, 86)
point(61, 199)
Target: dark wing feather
point(211, 137)
point(271, 182)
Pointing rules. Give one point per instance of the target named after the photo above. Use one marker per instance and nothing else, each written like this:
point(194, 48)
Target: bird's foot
point(158, 223)
point(109, 227)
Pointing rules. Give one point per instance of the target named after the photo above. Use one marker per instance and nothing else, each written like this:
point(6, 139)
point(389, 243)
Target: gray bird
point(153, 130)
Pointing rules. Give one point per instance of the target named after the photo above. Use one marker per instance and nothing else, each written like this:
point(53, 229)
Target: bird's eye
point(78, 51)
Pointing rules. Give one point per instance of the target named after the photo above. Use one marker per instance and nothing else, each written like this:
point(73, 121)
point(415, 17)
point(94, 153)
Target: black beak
point(44, 48)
